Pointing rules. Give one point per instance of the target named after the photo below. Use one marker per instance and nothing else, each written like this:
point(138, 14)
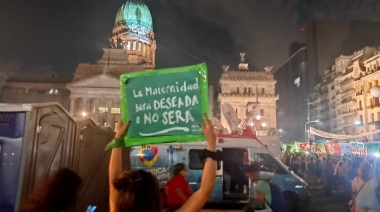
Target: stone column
point(105, 103)
point(101, 104)
point(95, 114)
point(109, 115)
point(139, 48)
point(148, 51)
point(72, 106)
point(84, 107)
point(273, 116)
point(144, 49)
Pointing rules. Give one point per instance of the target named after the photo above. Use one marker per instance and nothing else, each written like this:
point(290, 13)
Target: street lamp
point(308, 105)
point(308, 133)
point(308, 119)
point(308, 109)
point(375, 91)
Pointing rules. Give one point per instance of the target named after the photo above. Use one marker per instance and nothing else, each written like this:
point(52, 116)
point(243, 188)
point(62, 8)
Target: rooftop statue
point(225, 67)
point(268, 69)
point(242, 57)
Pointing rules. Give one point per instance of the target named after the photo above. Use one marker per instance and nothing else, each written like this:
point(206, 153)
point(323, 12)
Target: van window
point(195, 161)
point(269, 164)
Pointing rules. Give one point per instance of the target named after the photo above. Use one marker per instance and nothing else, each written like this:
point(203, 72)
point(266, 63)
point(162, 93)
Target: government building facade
point(252, 95)
point(95, 88)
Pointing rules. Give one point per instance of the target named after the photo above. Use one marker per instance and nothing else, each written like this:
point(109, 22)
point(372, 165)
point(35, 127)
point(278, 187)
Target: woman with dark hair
point(55, 194)
point(363, 191)
point(134, 184)
point(138, 190)
point(178, 190)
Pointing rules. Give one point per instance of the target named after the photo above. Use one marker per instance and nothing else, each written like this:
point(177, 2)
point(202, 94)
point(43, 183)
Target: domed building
point(133, 32)
point(95, 90)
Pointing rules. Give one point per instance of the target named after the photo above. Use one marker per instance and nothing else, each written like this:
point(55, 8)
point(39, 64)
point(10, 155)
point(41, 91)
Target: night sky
point(53, 36)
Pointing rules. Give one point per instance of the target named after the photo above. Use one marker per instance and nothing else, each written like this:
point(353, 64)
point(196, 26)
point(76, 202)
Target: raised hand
point(209, 132)
point(121, 128)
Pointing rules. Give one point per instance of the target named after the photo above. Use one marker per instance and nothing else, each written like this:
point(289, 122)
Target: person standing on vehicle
point(260, 192)
point(177, 188)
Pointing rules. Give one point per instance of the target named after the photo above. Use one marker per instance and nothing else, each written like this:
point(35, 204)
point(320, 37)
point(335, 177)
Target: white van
point(231, 184)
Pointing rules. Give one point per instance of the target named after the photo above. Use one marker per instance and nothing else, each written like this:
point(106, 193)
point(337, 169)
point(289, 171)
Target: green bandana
point(116, 142)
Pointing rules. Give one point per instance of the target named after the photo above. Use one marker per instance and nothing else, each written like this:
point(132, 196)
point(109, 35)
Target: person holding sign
point(138, 190)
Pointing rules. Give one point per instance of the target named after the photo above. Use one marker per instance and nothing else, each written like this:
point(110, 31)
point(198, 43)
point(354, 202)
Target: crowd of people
point(132, 190)
point(139, 190)
point(355, 178)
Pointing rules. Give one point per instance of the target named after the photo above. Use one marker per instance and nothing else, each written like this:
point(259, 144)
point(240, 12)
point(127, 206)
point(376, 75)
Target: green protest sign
point(165, 105)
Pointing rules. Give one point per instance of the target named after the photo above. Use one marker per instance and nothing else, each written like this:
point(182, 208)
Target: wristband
point(116, 142)
point(213, 155)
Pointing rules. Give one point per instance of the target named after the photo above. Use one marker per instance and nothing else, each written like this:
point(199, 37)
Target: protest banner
point(165, 105)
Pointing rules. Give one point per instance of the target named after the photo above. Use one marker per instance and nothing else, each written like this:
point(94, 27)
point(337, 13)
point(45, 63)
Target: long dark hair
point(55, 193)
point(138, 192)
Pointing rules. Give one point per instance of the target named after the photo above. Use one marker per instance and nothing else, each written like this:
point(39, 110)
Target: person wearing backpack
point(265, 196)
point(260, 194)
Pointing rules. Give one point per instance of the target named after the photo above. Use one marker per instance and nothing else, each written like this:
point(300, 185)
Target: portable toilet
point(38, 139)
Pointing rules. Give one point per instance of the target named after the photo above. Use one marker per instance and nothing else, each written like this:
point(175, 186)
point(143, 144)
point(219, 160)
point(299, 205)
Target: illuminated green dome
point(133, 23)
point(135, 13)
point(133, 32)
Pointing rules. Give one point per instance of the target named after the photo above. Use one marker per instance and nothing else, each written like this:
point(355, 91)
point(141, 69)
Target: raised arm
point(115, 166)
point(200, 197)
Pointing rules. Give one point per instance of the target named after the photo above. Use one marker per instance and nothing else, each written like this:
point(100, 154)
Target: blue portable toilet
point(11, 137)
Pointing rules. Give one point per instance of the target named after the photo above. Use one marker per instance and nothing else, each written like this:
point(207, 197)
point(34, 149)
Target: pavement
point(318, 203)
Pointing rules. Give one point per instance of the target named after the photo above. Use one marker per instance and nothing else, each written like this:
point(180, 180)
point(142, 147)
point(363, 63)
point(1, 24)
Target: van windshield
point(269, 164)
